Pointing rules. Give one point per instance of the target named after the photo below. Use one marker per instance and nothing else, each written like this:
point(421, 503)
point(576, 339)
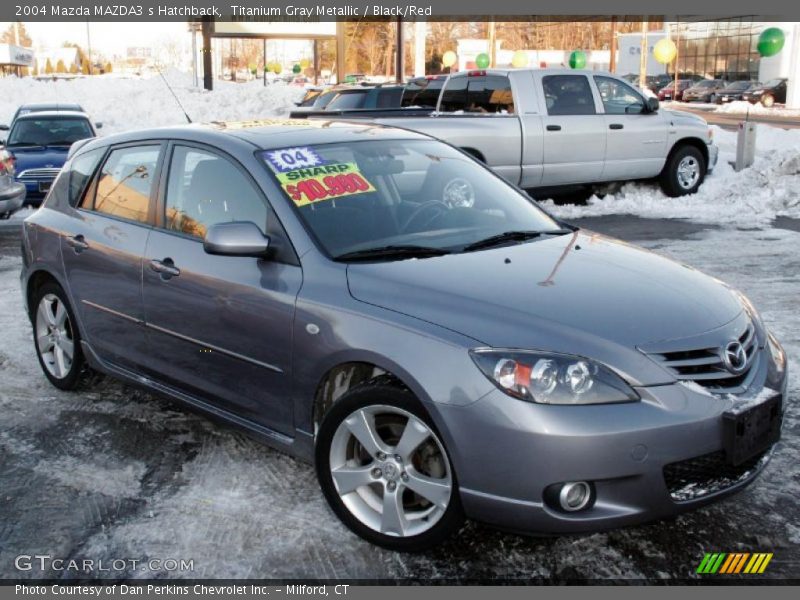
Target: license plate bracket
point(750, 432)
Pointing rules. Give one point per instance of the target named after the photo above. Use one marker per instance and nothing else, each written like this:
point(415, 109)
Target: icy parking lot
point(112, 472)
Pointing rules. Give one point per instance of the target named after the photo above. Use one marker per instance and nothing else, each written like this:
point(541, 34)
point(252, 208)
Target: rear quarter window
point(80, 173)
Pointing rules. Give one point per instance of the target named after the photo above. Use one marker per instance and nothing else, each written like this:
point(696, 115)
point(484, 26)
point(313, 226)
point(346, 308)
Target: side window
point(454, 97)
point(490, 94)
point(126, 181)
point(618, 98)
point(81, 171)
point(205, 189)
point(568, 95)
point(389, 98)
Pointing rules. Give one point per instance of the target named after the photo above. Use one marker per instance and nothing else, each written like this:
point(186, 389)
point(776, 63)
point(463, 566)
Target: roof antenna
point(171, 91)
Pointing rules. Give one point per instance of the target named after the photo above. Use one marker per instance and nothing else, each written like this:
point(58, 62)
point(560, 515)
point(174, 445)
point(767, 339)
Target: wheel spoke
point(414, 434)
point(393, 519)
point(44, 342)
point(436, 491)
point(61, 315)
point(349, 479)
point(362, 426)
point(67, 347)
point(60, 363)
point(46, 313)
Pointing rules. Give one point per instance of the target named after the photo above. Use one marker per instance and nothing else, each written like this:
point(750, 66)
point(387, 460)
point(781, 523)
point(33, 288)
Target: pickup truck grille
point(705, 366)
point(43, 173)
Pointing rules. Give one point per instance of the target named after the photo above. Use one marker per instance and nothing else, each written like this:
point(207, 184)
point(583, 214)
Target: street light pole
point(89, 46)
point(643, 58)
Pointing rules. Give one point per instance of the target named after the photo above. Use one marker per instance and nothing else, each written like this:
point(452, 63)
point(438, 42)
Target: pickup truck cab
point(553, 127)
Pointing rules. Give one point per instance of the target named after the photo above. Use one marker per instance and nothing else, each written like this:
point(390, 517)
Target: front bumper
point(12, 199)
point(637, 457)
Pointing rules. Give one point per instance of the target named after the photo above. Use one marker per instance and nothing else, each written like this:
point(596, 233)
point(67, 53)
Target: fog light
point(574, 496)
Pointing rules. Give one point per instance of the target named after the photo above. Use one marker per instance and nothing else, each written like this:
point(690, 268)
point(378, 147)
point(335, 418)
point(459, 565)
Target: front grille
point(705, 367)
point(43, 173)
point(703, 475)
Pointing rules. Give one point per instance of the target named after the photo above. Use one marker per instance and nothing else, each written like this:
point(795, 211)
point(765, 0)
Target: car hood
point(552, 293)
point(38, 158)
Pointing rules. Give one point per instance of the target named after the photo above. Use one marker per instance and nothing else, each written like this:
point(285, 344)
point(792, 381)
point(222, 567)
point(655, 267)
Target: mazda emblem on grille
point(734, 357)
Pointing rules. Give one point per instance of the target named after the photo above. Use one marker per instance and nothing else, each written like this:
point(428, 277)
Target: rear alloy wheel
point(684, 172)
point(385, 471)
point(768, 100)
point(56, 338)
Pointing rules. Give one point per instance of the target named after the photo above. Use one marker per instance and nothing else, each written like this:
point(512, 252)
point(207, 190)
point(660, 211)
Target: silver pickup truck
point(553, 127)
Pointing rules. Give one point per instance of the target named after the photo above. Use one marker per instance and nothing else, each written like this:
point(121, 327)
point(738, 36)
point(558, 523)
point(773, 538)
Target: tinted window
point(568, 95)
point(349, 100)
point(618, 98)
point(422, 92)
point(49, 132)
point(126, 181)
point(389, 98)
point(81, 171)
point(490, 94)
point(454, 97)
point(205, 189)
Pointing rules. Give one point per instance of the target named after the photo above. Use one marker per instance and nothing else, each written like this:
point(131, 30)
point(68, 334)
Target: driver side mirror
point(652, 105)
point(3, 127)
point(237, 238)
point(98, 125)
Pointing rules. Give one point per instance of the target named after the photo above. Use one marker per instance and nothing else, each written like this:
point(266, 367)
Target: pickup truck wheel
point(56, 337)
point(768, 100)
point(385, 471)
point(684, 172)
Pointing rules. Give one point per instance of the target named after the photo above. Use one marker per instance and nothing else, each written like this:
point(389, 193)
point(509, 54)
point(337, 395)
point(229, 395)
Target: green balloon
point(296, 69)
point(482, 60)
point(577, 60)
point(771, 41)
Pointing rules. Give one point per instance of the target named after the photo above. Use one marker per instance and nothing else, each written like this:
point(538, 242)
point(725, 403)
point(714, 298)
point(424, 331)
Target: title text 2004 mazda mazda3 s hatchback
point(382, 304)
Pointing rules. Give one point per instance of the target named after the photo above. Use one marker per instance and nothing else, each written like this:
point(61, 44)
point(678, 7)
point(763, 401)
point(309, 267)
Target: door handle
point(616, 126)
point(166, 268)
point(554, 128)
point(77, 243)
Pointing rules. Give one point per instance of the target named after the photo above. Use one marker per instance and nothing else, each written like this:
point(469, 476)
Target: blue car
point(39, 143)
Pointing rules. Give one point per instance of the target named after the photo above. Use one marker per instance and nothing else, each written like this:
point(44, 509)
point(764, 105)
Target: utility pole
point(89, 46)
point(677, 55)
point(643, 58)
point(208, 81)
point(492, 35)
point(612, 63)
point(399, 74)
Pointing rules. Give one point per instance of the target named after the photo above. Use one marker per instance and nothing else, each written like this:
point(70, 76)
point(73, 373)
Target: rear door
point(636, 145)
point(219, 327)
point(102, 247)
point(574, 131)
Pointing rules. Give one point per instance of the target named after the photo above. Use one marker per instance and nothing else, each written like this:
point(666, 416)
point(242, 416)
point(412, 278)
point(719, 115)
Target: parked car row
point(35, 148)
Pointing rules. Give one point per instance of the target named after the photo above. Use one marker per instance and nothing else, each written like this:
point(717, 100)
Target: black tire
point(78, 368)
point(382, 391)
point(669, 179)
point(768, 100)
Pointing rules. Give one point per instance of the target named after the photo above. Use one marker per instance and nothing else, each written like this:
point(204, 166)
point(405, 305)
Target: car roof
point(547, 70)
point(53, 114)
point(41, 106)
point(264, 134)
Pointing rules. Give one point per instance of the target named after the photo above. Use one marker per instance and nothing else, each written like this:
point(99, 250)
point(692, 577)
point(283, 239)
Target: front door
point(102, 247)
point(219, 327)
point(637, 139)
point(574, 133)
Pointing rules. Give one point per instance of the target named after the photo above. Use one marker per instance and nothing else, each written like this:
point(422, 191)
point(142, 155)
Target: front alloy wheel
point(385, 471)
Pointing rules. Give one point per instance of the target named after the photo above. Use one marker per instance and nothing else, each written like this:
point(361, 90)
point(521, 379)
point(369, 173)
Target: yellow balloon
point(665, 51)
point(520, 59)
point(449, 58)
point(304, 63)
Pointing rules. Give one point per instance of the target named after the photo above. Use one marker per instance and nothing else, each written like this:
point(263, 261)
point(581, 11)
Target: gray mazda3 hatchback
point(380, 303)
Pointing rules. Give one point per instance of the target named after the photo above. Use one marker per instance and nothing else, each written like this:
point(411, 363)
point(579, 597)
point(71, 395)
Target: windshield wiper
point(511, 236)
point(24, 145)
point(60, 143)
point(395, 252)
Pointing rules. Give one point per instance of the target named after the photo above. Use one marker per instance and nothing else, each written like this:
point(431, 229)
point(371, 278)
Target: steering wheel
point(436, 207)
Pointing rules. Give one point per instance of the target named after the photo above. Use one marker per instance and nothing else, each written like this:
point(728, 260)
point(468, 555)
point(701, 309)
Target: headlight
point(548, 378)
point(777, 353)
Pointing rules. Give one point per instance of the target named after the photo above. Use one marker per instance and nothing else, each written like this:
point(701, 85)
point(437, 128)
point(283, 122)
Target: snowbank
point(742, 107)
point(751, 198)
point(124, 104)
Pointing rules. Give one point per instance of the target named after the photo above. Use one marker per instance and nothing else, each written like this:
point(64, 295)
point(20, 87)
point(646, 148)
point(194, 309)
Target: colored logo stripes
point(736, 562)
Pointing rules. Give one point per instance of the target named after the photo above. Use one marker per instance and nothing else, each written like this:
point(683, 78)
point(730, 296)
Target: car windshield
point(739, 85)
point(58, 131)
point(773, 83)
point(706, 84)
point(348, 100)
point(368, 195)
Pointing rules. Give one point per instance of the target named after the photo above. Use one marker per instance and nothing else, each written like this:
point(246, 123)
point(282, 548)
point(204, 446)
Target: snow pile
point(752, 197)
point(139, 102)
point(742, 107)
